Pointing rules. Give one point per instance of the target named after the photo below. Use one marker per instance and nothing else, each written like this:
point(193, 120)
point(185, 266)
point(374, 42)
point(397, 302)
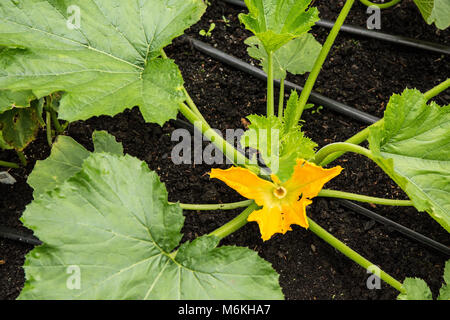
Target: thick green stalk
point(235, 224)
point(312, 78)
point(344, 147)
point(361, 198)
point(353, 255)
point(438, 89)
point(59, 129)
point(380, 5)
point(270, 95)
point(220, 206)
point(48, 123)
point(22, 158)
point(7, 164)
point(358, 138)
point(281, 100)
point(227, 149)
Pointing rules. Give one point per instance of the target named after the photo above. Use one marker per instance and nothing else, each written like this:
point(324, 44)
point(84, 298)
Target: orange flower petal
point(308, 179)
point(246, 183)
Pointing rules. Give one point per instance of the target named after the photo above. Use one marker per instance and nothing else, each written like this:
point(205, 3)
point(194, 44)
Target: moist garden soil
point(360, 72)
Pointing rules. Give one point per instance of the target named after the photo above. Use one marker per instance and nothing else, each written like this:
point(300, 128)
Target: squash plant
point(105, 216)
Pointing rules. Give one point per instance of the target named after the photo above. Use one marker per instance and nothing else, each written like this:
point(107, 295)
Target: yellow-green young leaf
point(416, 289)
point(275, 22)
point(19, 126)
point(297, 56)
point(104, 54)
point(110, 233)
point(412, 145)
point(437, 11)
point(66, 159)
point(279, 144)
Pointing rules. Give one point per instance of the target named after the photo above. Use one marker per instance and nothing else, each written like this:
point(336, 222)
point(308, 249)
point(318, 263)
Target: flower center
point(279, 192)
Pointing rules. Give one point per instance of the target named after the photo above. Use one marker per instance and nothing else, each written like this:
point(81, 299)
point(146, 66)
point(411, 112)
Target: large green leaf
point(20, 126)
point(437, 11)
point(297, 56)
point(110, 63)
point(412, 145)
point(111, 226)
point(275, 22)
point(66, 160)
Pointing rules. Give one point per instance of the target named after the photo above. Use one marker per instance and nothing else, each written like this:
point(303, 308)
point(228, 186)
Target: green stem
point(22, 158)
point(380, 5)
point(364, 134)
point(59, 129)
point(312, 78)
point(9, 164)
point(343, 147)
point(281, 100)
point(353, 255)
point(220, 206)
point(235, 224)
point(361, 198)
point(48, 121)
point(438, 89)
point(192, 105)
point(227, 149)
point(270, 95)
point(356, 139)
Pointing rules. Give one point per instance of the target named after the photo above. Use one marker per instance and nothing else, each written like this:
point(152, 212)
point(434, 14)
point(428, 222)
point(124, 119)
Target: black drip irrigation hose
point(397, 227)
point(12, 234)
point(316, 98)
point(398, 40)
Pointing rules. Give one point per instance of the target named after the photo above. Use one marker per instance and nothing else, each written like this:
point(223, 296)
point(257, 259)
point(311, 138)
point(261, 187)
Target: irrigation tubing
point(398, 40)
point(316, 98)
point(397, 227)
point(12, 234)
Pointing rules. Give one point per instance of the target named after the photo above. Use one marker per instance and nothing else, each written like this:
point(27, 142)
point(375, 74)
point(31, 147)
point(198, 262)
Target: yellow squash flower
point(283, 204)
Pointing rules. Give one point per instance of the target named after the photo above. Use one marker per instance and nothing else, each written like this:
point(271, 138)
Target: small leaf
point(444, 292)
point(10, 100)
point(110, 63)
point(113, 223)
point(437, 11)
point(104, 142)
point(66, 160)
point(19, 126)
point(275, 23)
point(411, 145)
point(297, 56)
point(416, 289)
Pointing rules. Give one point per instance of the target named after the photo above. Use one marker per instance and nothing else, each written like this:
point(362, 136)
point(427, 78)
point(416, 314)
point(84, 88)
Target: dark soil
point(360, 72)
